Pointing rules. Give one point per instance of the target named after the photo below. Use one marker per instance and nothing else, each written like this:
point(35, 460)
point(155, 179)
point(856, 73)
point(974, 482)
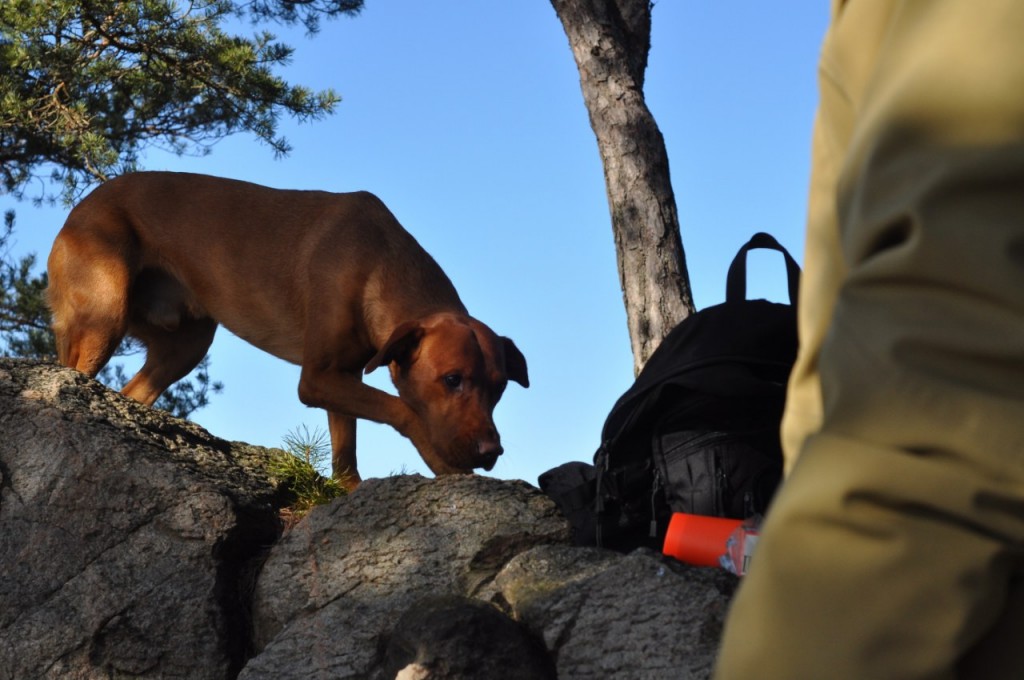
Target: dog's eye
point(453, 381)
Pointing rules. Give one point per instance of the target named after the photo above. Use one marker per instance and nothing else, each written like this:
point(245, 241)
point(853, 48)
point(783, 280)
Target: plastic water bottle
point(712, 541)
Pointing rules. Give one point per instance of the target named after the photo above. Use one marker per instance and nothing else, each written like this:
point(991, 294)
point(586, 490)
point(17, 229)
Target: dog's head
point(451, 370)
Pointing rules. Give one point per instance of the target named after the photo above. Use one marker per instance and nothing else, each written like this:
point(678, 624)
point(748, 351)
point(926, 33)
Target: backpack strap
point(601, 463)
point(736, 279)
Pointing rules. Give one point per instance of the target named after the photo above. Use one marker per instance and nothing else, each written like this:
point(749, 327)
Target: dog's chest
point(281, 339)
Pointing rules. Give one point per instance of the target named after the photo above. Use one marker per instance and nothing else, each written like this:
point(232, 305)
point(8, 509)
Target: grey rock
point(125, 534)
point(334, 586)
point(606, 615)
point(457, 638)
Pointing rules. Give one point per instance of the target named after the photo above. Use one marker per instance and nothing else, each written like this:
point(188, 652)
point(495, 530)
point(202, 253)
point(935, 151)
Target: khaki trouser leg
point(894, 549)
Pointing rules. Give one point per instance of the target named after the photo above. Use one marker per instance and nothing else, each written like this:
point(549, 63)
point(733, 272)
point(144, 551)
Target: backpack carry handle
point(736, 279)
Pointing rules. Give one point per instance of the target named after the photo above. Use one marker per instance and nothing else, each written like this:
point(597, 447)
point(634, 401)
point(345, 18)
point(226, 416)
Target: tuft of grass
point(297, 468)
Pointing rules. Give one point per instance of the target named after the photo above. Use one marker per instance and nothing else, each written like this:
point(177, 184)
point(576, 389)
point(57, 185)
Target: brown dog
point(331, 282)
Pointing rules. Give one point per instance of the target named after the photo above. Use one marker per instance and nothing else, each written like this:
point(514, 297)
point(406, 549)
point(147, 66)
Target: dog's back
point(157, 247)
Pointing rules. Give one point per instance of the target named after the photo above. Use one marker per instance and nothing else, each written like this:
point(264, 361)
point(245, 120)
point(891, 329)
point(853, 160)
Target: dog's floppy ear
point(515, 363)
point(399, 346)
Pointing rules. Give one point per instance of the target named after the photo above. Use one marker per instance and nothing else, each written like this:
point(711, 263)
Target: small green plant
point(297, 466)
point(312, 447)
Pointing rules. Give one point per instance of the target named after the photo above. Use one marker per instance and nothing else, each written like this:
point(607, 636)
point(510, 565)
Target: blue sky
point(466, 118)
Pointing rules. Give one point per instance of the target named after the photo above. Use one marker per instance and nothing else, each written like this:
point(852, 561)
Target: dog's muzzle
point(488, 453)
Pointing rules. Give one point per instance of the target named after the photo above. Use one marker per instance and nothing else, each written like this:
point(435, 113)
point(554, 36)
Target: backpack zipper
point(721, 486)
point(655, 490)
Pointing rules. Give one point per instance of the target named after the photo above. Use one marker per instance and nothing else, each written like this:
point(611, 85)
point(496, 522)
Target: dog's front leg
point(344, 395)
point(343, 449)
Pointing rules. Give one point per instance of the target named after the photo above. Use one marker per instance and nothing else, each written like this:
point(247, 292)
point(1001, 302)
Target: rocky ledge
point(137, 545)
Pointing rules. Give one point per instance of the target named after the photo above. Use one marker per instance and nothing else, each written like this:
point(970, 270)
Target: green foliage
point(314, 448)
point(24, 317)
point(86, 85)
point(308, 12)
point(297, 468)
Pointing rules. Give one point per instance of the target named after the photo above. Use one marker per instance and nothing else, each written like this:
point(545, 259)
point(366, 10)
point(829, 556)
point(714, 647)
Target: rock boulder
point(125, 535)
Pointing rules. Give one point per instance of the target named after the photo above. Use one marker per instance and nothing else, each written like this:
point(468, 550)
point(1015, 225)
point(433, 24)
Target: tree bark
point(610, 40)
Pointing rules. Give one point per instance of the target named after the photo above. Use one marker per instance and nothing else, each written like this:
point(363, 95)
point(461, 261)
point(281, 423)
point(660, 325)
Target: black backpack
point(698, 431)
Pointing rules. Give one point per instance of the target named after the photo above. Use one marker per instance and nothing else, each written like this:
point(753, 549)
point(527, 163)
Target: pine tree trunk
point(610, 40)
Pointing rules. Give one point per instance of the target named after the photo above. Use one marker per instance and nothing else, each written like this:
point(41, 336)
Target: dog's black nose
point(489, 451)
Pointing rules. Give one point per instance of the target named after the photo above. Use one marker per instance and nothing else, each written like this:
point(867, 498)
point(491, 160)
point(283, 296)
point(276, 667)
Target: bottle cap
point(697, 539)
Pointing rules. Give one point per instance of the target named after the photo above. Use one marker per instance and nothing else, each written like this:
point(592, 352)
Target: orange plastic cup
point(697, 539)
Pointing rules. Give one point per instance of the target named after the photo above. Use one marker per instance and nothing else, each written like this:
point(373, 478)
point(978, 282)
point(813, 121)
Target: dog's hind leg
point(170, 355)
point(88, 297)
point(175, 331)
